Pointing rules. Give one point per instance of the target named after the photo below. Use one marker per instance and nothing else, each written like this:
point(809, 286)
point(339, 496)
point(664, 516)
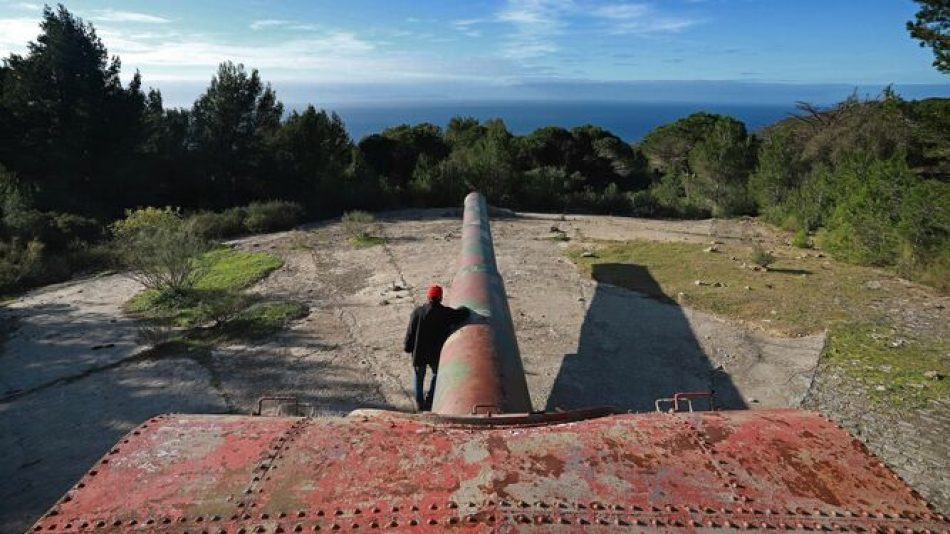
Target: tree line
point(78, 148)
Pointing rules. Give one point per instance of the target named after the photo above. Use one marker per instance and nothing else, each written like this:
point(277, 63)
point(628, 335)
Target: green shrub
point(863, 226)
point(644, 204)
point(924, 229)
point(158, 249)
point(76, 227)
point(219, 306)
point(801, 240)
point(358, 224)
point(272, 216)
point(762, 257)
point(218, 225)
point(19, 263)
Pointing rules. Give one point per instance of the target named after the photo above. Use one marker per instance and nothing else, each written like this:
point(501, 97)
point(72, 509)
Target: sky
point(368, 51)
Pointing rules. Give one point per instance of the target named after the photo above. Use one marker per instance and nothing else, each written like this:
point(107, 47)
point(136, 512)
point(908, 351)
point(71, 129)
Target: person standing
point(429, 327)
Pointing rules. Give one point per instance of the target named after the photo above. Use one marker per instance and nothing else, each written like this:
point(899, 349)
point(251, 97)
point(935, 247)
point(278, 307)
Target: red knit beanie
point(434, 292)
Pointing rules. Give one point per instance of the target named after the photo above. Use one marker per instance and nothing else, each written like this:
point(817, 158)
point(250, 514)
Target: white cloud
point(268, 23)
point(465, 26)
point(537, 24)
point(166, 53)
point(26, 6)
point(639, 19)
point(283, 24)
point(15, 33)
point(112, 15)
point(622, 11)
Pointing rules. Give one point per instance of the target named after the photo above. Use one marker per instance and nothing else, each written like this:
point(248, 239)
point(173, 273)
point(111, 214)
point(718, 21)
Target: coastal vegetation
point(866, 179)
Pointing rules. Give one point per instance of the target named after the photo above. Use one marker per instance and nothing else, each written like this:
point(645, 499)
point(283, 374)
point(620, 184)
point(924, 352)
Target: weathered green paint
point(481, 363)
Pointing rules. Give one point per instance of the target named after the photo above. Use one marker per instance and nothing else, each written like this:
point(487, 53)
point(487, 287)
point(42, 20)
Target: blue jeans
point(424, 403)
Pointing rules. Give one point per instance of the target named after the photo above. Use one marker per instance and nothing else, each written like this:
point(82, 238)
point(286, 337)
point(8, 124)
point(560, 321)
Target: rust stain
point(809, 482)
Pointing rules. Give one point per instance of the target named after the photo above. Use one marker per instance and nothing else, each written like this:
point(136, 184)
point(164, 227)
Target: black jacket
point(429, 327)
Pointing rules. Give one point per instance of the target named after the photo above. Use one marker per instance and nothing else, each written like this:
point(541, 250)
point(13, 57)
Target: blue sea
point(628, 120)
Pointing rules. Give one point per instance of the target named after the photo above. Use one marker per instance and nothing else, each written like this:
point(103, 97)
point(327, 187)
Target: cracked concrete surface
point(74, 377)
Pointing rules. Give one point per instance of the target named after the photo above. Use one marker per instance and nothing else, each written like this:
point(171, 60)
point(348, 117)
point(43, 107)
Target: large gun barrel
point(480, 371)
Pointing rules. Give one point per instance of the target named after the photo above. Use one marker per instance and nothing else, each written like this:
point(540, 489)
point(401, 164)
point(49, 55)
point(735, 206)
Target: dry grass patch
point(800, 293)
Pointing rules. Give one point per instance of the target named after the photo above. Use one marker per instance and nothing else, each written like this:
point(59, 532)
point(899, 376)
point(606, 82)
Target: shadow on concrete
point(635, 347)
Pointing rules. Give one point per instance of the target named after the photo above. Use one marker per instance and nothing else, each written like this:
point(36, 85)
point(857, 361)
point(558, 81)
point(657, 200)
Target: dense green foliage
point(869, 177)
point(78, 149)
point(703, 163)
point(931, 26)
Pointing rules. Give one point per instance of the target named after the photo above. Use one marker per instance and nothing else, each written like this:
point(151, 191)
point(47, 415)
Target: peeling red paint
point(773, 467)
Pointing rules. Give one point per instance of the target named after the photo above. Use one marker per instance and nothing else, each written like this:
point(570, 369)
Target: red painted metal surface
point(692, 471)
point(480, 369)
